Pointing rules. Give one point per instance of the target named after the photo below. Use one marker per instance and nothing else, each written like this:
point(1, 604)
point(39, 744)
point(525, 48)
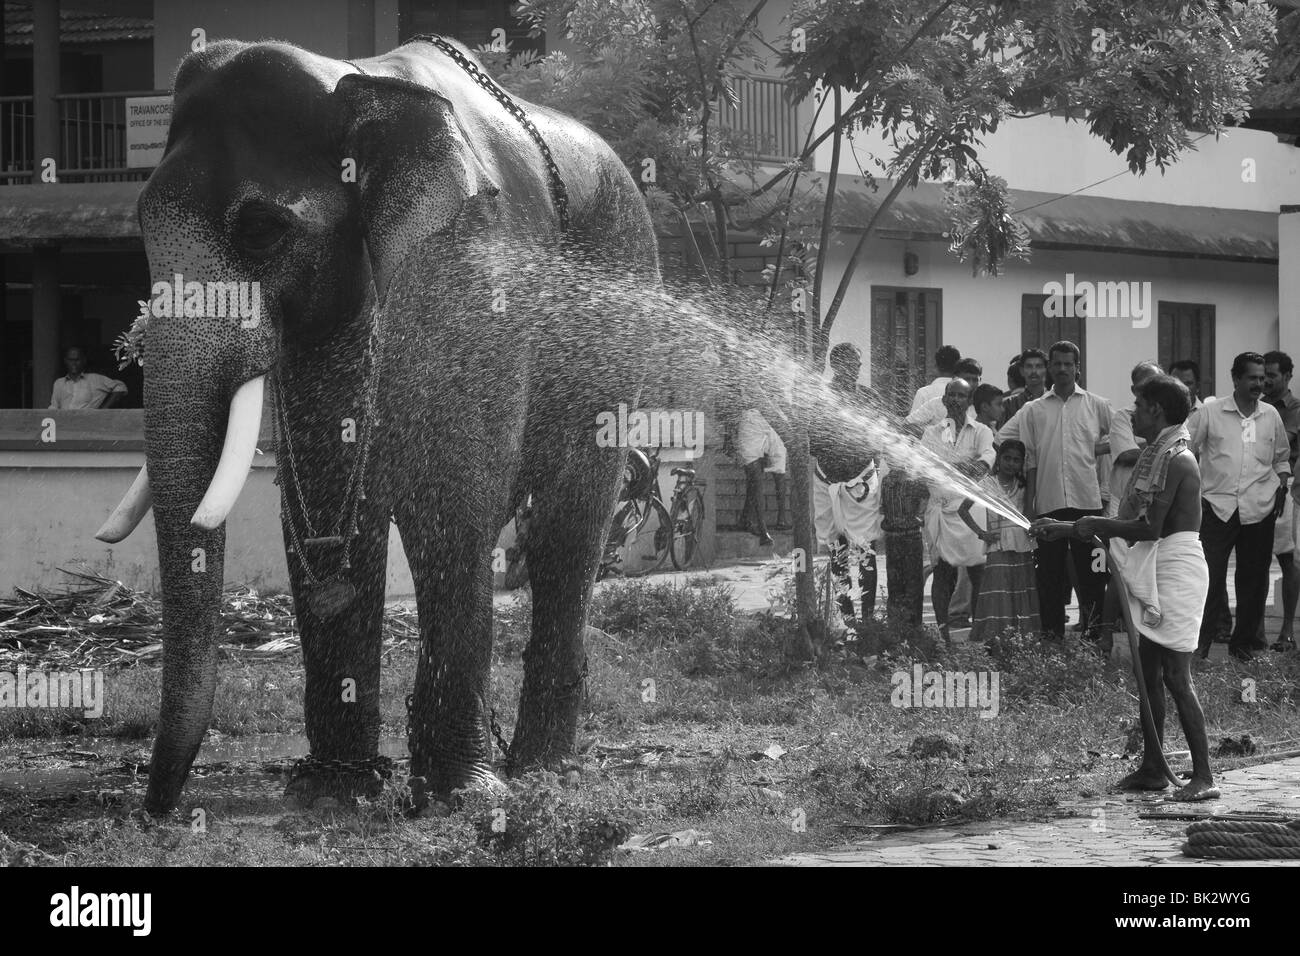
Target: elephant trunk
point(197, 412)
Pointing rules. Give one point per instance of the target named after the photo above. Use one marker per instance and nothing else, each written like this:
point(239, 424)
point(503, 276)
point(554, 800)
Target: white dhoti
point(849, 508)
point(756, 438)
point(951, 541)
point(1285, 529)
point(1171, 575)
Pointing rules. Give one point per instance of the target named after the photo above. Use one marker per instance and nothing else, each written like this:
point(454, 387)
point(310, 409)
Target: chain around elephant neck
point(345, 525)
point(559, 193)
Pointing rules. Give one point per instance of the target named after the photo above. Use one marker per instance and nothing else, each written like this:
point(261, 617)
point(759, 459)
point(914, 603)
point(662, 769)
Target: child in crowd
point(987, 402)
point(1009, 591)
point(903, 499)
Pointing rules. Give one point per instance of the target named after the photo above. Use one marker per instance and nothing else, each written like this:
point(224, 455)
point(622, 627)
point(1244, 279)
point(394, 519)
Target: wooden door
point(906, 331)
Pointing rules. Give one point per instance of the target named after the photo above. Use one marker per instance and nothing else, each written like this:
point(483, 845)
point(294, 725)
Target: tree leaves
point(983, 227)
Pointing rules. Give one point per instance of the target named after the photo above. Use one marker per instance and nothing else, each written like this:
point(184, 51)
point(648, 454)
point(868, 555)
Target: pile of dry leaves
point(98, 622)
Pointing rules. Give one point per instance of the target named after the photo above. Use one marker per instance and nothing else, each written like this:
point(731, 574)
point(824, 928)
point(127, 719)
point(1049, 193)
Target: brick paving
point(1101, 831)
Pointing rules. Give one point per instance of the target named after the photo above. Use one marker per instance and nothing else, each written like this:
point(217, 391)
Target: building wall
point(1288, 242)
point(54, 502)
point(1049, 154)
point(127, 66)
point(981, 316)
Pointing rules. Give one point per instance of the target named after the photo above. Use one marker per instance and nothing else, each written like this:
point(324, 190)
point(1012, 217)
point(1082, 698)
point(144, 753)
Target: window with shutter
point(1186, 331)
point(1039, 331)
point(906, 331)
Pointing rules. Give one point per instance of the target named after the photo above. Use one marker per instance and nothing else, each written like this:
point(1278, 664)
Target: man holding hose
point(1164, 575)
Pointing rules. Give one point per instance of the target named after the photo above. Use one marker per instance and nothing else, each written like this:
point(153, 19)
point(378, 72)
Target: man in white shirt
point(1064, 432)
point(82, 389)
point(969, 448)
point(945, 361)
point(1245, 467)
point(935, 409)
point(1189, 373)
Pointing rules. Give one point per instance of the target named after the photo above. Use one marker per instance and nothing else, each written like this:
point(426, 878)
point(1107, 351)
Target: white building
point(1204, 238)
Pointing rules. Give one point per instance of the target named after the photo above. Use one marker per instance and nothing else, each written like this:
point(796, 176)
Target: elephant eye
point(258, 229)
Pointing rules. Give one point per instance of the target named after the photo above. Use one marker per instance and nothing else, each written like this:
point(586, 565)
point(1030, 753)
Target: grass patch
point(698, 757)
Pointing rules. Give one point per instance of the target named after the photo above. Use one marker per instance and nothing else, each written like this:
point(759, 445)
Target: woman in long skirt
point(1009, 592)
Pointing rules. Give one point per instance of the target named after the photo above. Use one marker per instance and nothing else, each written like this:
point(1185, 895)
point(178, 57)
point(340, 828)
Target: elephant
point(428, 270)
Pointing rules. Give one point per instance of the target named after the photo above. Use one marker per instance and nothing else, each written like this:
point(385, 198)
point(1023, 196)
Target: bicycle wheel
point(647, 543)
point(688, 525)
point(626, 518)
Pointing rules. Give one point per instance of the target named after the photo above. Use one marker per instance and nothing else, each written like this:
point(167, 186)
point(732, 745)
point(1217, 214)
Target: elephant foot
point(442, 793)
point(327, 784)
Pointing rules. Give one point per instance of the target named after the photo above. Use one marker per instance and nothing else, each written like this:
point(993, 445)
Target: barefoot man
point(1165, 574)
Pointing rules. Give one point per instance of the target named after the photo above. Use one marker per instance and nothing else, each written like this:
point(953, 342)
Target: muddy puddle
point(225, 764)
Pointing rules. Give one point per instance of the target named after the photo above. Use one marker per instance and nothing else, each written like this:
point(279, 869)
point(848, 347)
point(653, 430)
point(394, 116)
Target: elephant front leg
point(341, 645)
point(450, 741)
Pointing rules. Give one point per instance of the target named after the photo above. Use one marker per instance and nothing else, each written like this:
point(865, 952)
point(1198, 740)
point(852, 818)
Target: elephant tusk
point(134, 506)
point(236, 456)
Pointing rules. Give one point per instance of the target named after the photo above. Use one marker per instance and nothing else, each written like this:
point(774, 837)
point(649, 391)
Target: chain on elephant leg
point(451, 751)
point(550, 706)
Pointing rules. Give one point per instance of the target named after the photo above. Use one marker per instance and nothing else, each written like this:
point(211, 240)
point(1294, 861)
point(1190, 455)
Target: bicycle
point(686, 515)
point(639, 519)
point(672, 530)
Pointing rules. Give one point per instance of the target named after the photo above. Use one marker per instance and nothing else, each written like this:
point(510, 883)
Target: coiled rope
point(1242, 840)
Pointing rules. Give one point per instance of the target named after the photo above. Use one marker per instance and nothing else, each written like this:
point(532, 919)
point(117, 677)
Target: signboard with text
point(148, 119)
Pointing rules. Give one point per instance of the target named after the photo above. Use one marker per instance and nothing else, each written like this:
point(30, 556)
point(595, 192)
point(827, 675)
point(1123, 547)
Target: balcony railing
point(16, 135)
point(92, 138)
point(92, 131)
point(769, 122)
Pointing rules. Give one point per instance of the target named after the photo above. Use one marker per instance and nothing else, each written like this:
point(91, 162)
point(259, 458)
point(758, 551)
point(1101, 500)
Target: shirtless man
point(1167, 511)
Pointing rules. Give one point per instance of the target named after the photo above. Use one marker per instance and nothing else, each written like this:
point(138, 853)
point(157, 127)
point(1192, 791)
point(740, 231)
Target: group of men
point(1164, 490)
point(1080, 452)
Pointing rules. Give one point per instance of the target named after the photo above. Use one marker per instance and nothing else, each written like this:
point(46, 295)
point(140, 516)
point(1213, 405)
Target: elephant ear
point(416, 168)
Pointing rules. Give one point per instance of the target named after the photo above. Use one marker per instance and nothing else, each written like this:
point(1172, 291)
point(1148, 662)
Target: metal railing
point(770, 124)
point(17, 121)
point(92, 137)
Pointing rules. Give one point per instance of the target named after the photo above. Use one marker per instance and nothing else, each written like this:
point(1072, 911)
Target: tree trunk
point(810, 635)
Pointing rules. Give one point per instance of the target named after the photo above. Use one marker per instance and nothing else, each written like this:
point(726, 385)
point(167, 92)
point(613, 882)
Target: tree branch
point(824, 243)
point(856, 106)
point(843, 288)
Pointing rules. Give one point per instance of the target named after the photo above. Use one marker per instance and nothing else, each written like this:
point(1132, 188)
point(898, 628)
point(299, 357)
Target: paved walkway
point(753, 583)
point(1103, 831)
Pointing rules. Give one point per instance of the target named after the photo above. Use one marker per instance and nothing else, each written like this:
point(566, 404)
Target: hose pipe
point(1144, 701)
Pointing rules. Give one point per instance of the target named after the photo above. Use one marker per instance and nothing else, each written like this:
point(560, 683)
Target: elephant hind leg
point(565, 538)
point(450, 742)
